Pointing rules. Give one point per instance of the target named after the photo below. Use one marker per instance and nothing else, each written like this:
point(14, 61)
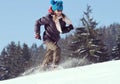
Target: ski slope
point(101, 73)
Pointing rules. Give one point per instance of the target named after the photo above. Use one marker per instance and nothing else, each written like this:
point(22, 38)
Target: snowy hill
point(101, 73)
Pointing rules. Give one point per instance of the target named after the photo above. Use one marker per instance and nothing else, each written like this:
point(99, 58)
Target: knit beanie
point(57, 5)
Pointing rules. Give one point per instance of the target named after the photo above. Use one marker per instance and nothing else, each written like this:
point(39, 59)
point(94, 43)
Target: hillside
point(100, 73)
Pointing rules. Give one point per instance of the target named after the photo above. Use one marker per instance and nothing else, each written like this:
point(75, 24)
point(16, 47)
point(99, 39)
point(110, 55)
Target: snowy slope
point(101, 73)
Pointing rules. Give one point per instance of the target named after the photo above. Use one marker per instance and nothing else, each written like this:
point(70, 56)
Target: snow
point(100, 73)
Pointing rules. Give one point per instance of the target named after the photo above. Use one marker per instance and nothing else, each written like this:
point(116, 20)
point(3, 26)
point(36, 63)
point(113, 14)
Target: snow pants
point(52, 54)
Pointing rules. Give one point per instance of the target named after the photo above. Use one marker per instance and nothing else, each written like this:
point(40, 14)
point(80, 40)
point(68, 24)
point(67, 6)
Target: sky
point(17, 17)
point(99, 73)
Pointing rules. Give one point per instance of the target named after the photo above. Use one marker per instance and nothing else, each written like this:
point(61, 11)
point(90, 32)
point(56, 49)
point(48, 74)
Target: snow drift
point(100, 73)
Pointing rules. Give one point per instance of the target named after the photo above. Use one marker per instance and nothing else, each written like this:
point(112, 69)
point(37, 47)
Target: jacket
point(51, 33)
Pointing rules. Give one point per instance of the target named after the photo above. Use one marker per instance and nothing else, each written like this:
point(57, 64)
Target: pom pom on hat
point(57, 5)
point(52, 2)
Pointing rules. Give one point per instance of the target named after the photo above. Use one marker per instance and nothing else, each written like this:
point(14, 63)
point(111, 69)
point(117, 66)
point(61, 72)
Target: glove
point(71, 27)
point(37, 36)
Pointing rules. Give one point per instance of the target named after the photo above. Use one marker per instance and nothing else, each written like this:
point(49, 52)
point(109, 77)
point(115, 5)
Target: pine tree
point(37, 54)
point(41, 52)
point(25, 52)
point(86, 42)
point(13, 59)
point(116, 49)
point(3, 69)
point(34, 54)
point(9, 56)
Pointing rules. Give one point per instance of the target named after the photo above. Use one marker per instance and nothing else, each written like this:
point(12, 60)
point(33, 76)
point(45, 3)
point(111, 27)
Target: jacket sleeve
point(69, 27)
point(39, 22)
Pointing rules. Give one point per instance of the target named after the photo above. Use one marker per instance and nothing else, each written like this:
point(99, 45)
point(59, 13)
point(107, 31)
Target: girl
point(54, 23)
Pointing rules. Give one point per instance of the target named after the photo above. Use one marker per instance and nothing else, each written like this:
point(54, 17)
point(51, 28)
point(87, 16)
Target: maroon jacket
point(51, 33)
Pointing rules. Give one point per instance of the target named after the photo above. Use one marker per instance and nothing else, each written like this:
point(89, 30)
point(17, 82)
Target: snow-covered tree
point(87, 41)
point(116, 49)
point(13, 59)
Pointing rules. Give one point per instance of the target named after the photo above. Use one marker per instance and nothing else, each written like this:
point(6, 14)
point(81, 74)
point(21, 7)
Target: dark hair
point(63, 15)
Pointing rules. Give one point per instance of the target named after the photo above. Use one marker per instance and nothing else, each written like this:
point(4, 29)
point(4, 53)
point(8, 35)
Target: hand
point(71, 27)
point(37, 36)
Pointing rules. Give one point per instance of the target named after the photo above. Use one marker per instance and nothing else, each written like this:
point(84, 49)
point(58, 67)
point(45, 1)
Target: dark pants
point(53, 53)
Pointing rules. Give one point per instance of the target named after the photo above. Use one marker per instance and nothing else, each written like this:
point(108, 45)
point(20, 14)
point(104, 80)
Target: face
point(58, 13)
